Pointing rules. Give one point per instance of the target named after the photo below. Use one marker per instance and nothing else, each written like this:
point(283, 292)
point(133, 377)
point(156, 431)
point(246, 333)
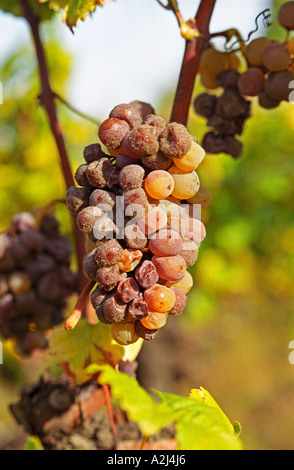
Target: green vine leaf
point(87, 344)
point(33, 443)
point(199, 422)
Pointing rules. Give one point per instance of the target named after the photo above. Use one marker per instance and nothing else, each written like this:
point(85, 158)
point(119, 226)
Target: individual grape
point(204, 105)
point(175, 140)
point(212, 62)
point(276, 58)
point(143, 108)
point(277, 85)
point(180, 303)
point(153, 221)
point(154, 320)
point(202, 197)
point(185, 284)
point(105, 200)
point(128, 113)
point(155, 121)
point(59, 249)
point(108, 253)
point(231, 105)
point(233, 146)
point(87, 218)
point(114, 309)
point(209, 81)
point(32, 240)
point(19, 282)
point(122, 161)
point(195, 230)
point(266, 101)
point(124, 333)
point(99, 171)
point(213, 143)
point(170, 268)
point(192, 159)
point(104, 228)
point(159, 298)
point(112, 131)
point(127, 289)
point(138, 308)
point(286, 15)
point(143, 332)
point(228, 80)
point(81, 175)
point(77, 198)
point(251, 82)
point(49, 226)
point(255, 50)
point(93, 152)
point(90, 266)
point(189, 252)
point(131, 177)
point(186, 183)
point(158, 161)
point(98, 296)
point(23, 221)
point(143, 140)
point(159, 184)
point(222, 125)
point(108, 277)
point(134, 237)
point(166, 243)
point(137, 199)
point(129, 260)
point(127, 151)
point(146, 274)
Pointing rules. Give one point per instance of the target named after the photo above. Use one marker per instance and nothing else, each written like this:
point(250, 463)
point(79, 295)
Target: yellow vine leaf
point(87, 344)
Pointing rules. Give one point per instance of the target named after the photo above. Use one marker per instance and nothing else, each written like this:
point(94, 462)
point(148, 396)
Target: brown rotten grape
point(286, 15)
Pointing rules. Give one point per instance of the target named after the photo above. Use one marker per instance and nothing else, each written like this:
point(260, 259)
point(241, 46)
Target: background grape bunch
point(140, 240)
point(35, 280)
point(262, 69)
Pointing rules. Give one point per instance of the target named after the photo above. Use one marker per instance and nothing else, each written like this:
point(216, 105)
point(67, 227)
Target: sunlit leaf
point(33, 443)
point(74, 10)
point(87, 344)
point(200, 423)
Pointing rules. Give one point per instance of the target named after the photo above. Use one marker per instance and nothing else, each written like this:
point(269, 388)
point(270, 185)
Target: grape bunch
point(35, 280)
point(269, 71)
point(136, 203)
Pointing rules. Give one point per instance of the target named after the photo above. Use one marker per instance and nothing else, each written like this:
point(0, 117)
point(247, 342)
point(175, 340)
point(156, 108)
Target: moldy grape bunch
point(268, 75)
point(140, 239)
point(35, 279)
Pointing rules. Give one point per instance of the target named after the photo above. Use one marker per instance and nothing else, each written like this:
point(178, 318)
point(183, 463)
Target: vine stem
point(76, 314)
point(48, 102)
point(193, 51)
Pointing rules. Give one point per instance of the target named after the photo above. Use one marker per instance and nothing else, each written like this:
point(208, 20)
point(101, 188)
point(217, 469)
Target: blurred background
point(234, 337)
